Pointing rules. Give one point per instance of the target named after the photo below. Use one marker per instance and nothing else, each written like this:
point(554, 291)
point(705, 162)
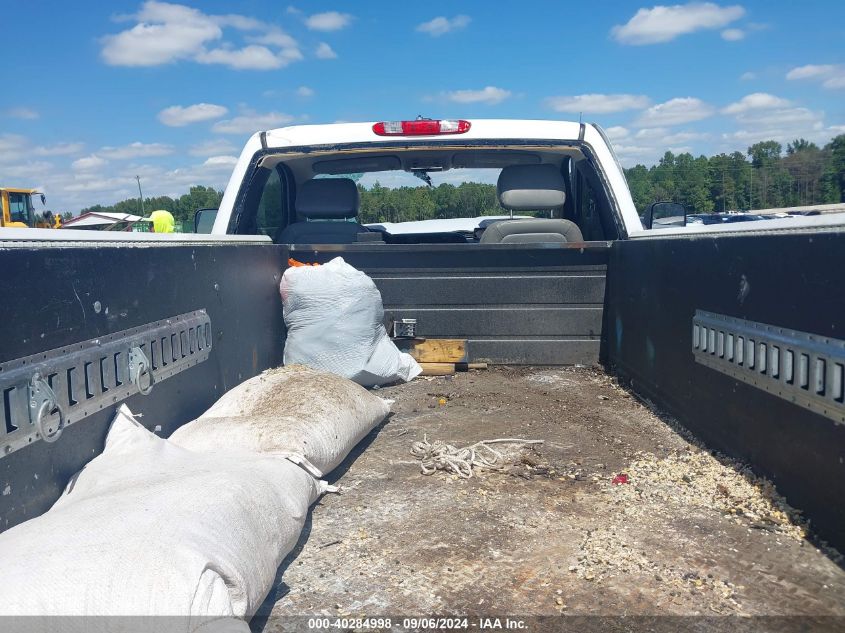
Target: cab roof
point(480, 129)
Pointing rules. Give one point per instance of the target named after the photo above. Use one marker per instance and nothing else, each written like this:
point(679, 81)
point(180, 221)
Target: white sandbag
point(150, 528)
point(292, 410)
point(334, 317)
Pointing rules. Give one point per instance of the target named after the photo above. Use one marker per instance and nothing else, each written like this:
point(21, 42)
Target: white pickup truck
point(732, 335)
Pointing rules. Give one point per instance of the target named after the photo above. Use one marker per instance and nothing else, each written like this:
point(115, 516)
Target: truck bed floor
point(688, 534)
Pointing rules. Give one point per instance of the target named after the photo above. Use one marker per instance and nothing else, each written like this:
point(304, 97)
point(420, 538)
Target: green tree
point(804, 162)
point(800, 145)
point(834, 171)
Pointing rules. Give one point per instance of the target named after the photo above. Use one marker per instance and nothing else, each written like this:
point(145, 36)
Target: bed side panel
point(59, 295)
point(790, 282)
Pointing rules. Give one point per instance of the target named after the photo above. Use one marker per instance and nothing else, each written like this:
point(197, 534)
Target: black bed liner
point(629, 304)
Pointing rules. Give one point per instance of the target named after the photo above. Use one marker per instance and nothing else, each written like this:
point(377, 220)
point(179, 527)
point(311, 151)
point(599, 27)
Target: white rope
point(439, 455)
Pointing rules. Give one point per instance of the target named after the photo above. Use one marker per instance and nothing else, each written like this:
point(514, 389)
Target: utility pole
point(751, 195)
point(140, 195)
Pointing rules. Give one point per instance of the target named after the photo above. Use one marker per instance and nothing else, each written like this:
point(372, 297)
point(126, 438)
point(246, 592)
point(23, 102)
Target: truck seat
point(531, 188)
point(325, 206)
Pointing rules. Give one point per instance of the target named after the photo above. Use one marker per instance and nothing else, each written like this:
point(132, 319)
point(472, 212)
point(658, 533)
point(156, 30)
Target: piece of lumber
point(437, 369)
point(468, 366)
point(438, 350)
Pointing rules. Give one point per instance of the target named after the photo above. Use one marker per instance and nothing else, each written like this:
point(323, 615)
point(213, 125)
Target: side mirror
point(661, 215)
point(43, 199)
point(204, 220)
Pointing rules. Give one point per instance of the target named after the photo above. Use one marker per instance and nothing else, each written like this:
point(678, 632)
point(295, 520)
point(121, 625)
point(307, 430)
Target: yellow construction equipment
point(19, 211)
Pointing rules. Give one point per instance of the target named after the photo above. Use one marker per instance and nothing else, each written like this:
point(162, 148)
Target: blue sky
point(97, 93)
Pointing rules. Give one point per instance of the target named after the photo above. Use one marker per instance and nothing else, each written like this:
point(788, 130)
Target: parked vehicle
point(733, 329)
point(705, 218)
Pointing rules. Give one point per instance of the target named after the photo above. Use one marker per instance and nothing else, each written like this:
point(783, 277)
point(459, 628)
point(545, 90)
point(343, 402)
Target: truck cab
point(262, 196)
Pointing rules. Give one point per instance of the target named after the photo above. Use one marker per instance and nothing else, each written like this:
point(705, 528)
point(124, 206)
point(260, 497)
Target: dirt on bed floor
point(616, 512)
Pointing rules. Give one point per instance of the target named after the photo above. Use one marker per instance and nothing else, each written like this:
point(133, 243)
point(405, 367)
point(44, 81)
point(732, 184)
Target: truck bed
point(690, 533)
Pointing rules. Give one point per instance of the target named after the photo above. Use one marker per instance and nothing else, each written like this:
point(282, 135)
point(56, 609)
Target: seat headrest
point(327, 199)
point(531, 188)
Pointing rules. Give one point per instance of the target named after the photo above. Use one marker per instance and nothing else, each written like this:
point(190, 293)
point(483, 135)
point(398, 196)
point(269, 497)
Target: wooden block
point(468, 366)
point(438, 350)
point(437, 369)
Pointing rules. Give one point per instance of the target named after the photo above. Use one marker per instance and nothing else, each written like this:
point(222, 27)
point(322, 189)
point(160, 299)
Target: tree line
point(182, 208)
point(403, 204)
point(766, 176)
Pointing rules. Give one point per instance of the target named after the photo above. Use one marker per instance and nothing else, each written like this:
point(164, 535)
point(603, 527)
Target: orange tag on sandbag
point(296, 264)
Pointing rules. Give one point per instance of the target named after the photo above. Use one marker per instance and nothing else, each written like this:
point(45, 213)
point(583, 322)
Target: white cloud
point(489, 95)
point(15, 148)
point(324, 51)
point(24, 173)
point(762, 116)
point(784, 117)
point(811, 71)
point(10, 145)
point(178, 116)
point(651, 132)
point(166, 33)
point(675, 112)
point(837, 81)
point(733, 35)
point(679, 138)
point(748, 76)
point(136, 150)
point(663, 137)
point(617, 133)
point(304, 92)
point(781, 124)
point(108, 189)
point(252, 57)
point(755, 101)
point(597, 103)
point(88, 163)
point(751, 136)
point(648, 145)
point(831, 75)
point(22, 113)
point(71, 190)
point(630, 155)
point(251, 122)
point(212, 147)
point(221, 161)
point(442, 25)
point(328, 21)
point(240, 22)
point(59, 149)
point(274, 37)
point(665, 23)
